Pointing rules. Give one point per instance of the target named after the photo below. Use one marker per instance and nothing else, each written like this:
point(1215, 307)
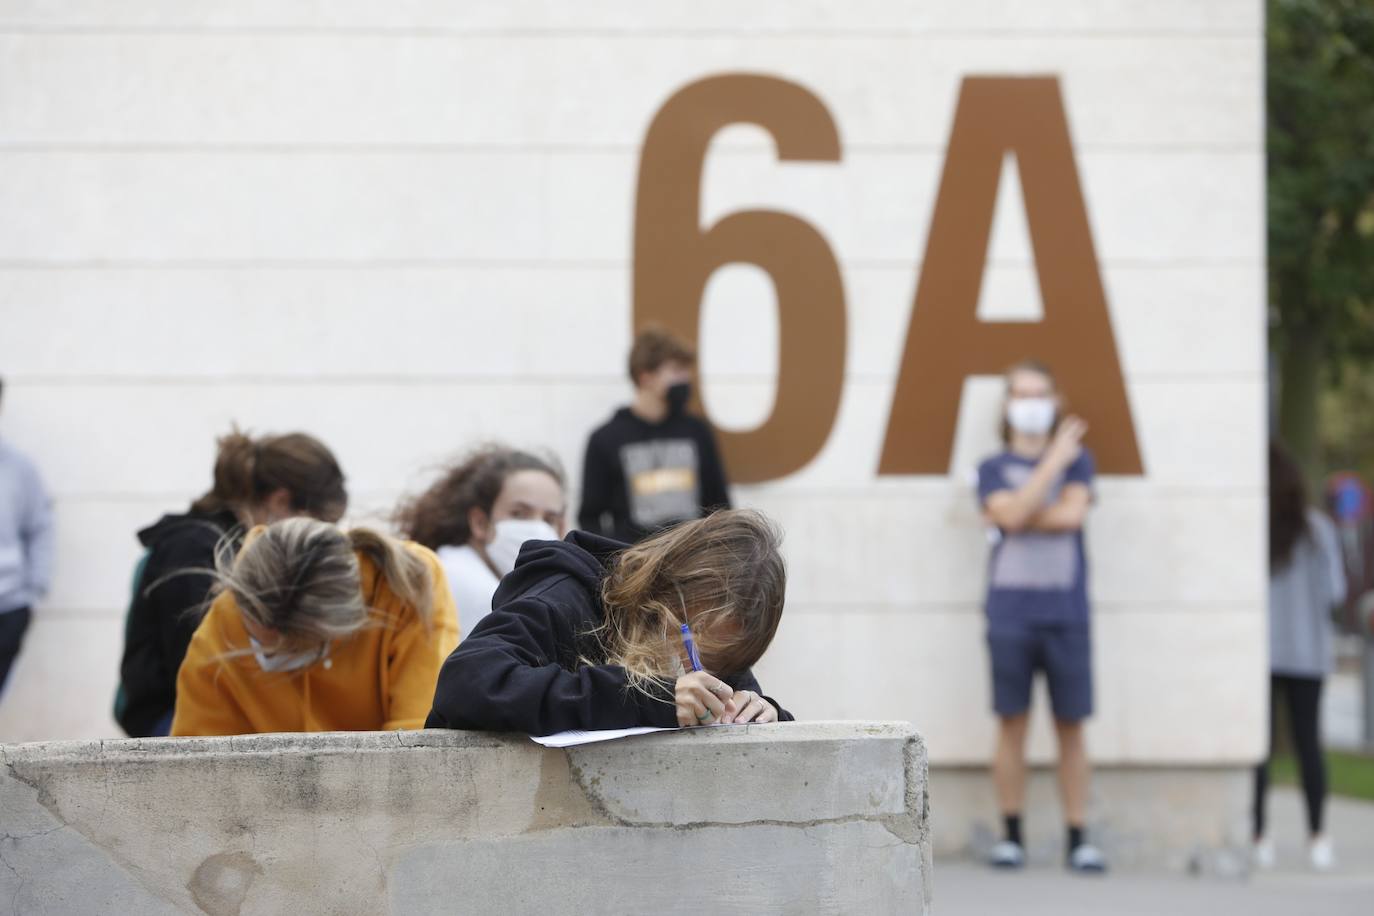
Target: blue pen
point(691, 648)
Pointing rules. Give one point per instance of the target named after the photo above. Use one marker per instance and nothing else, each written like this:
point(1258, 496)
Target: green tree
point(1321, 203)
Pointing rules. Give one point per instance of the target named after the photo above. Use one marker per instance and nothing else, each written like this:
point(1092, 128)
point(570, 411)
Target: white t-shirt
point(472, 583)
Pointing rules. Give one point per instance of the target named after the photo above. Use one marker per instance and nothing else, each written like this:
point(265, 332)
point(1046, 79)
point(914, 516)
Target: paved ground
point(968, 889)
point(1342, 709)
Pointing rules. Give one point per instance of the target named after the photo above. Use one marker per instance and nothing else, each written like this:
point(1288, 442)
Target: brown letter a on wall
point(947, 343)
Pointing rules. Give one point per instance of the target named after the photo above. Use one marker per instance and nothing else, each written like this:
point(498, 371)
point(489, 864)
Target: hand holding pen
point(705, 700)
point(700, 698)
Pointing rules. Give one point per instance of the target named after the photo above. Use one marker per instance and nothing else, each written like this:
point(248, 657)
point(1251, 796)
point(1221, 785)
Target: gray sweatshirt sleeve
point(1329, 546)
point(40, 537)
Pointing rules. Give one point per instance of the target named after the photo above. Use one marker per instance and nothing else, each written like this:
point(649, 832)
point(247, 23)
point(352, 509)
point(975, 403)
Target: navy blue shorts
point(1062, 651)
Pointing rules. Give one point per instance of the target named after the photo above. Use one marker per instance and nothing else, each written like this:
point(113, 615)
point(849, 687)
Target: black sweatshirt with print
point(640, 477)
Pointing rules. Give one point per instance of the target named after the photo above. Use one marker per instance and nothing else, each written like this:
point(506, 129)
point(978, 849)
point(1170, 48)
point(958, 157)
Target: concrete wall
point(407, 226)
point(817, 818)
point(1145, 818)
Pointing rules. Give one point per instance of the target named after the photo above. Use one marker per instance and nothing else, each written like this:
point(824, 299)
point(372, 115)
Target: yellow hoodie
point(380, 678)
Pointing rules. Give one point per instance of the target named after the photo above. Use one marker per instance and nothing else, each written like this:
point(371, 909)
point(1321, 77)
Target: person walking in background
point(1037, 493)
point(256, 481)
point(27, 546)
point(588, 633)
point(1306, 580)
point(477, 516)
point(652, 464)
point(318, 630)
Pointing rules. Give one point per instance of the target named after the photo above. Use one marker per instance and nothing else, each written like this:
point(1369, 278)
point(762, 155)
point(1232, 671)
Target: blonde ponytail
point(405, 573)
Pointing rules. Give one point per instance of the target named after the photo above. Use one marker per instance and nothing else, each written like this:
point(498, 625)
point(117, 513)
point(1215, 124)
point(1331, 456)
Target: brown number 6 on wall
point(674, 258)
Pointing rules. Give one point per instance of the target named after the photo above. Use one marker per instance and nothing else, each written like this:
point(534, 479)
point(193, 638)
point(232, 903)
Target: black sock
point(1075, 837)
point(1013, 822)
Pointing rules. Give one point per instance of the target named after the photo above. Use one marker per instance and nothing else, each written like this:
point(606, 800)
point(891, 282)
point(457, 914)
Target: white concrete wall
point(407, 226)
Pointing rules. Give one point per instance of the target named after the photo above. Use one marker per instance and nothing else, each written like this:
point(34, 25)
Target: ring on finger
point(706, 716)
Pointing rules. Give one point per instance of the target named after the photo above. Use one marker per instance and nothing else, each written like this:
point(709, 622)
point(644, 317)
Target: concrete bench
point(794, 818)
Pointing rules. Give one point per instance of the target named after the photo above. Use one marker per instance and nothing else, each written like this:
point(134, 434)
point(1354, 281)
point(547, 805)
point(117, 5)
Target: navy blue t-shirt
point(1035, 576)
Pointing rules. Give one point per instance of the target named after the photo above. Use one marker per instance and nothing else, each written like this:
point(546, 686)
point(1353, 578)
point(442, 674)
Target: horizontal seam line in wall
point(763, 32)
point(413, 379)
point(1257, 261)
point(75, 613)
point(441, 148)
point(875, 489)
point(365, 499)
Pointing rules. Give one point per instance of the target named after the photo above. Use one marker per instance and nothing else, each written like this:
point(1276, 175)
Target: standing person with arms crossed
point(27, 546)
point(652, 464)
point(1037, 493)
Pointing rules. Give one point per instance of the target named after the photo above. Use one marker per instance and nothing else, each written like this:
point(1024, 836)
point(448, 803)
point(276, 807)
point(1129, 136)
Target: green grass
point(1347, 774)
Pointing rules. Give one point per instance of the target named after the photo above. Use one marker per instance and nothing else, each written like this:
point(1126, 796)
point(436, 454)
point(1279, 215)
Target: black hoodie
point(164, 613)
point(518, 670)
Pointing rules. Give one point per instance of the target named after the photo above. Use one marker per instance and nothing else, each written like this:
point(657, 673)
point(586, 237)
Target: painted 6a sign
point(674, 259)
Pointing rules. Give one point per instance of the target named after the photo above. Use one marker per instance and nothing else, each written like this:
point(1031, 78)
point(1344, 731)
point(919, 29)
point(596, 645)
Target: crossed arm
point(1015, 510)
point(1025, 510)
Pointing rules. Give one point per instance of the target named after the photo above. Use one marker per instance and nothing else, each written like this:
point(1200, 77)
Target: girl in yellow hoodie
point(318, 630)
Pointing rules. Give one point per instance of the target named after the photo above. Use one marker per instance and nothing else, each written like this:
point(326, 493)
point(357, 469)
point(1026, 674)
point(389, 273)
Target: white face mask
point(1031, 416)
point(288, 661)
point(511, 535)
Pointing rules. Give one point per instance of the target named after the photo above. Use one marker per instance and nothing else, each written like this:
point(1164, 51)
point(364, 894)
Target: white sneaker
point(1007, 854)
point(1323, 854)
point(1087, 859)
point(1263, 854)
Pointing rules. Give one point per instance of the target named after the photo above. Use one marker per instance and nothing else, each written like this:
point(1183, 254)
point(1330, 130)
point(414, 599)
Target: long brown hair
point(1287, 506)
point(301, 578)
point(248, 470)
point(439, 516)
point(723, 575)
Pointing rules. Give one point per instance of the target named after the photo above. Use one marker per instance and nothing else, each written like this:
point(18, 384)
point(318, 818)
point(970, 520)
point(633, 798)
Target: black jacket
point(164, 613)
point(677, 462)
point(518, 669)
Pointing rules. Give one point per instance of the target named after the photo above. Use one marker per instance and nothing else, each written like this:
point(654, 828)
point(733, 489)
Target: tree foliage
point(1320, 139)
point(1321, 167)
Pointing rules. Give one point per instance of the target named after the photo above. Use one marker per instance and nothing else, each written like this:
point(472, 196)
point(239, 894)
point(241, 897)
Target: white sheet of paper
point(573, 738)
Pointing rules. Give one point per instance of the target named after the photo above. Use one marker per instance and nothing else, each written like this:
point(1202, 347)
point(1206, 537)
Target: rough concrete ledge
point(800, 817)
